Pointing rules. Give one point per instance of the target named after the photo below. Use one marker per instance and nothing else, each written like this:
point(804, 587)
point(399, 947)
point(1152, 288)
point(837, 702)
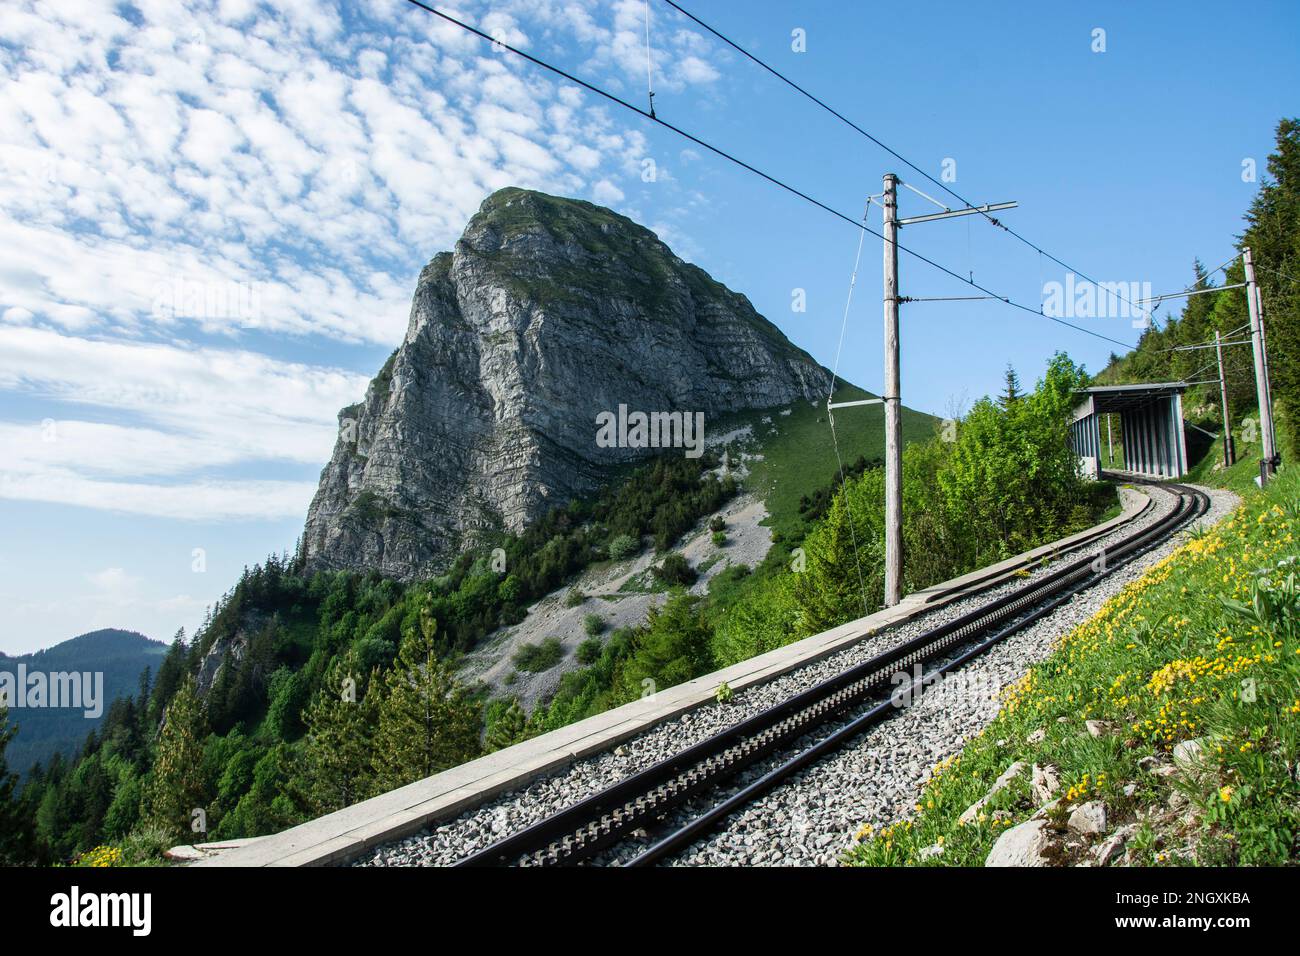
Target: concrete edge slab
point(344, 835)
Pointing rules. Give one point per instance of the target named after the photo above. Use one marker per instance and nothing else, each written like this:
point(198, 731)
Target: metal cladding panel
point(1154, 443)
point(1085, 442)
point(1182, 437)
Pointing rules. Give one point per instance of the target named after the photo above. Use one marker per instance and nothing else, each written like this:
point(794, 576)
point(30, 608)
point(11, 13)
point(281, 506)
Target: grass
point(1204, 647)
point(798, 455)
point(1239, 476)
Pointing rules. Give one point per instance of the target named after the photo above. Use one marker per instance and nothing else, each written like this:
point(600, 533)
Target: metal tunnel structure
point(1151, 426)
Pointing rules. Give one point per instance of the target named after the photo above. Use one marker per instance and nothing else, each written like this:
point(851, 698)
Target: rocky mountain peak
point(548, 314)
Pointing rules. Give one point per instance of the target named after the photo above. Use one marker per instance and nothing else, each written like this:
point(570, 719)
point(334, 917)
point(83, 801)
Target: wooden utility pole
point(893, 405)
point(1268, 460)
point(1229, 453)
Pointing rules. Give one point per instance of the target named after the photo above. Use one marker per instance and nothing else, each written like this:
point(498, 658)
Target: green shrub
point(675, 570)
point(623, 546)
point(717, 523)
point(671, 647)
point(719, 538)
point(593, 624)
point(574, 598)
point(374, 652)
point(535, 658)
point(589, 651)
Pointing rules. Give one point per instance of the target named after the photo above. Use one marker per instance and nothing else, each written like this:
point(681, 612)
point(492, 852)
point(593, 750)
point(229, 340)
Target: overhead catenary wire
point(830, 415)
point(1276, 272)
point(613, 98)
point(893, 152)
point(649, 75)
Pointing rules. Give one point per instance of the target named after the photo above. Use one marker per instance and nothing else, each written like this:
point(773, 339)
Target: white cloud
point(194, 501)
point(606, 193)
point(204, 410)
point(266, 145)
point(114, 583)
point(260, 173)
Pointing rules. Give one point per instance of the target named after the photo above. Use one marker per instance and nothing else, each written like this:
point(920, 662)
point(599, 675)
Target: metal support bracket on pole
point(865, 401)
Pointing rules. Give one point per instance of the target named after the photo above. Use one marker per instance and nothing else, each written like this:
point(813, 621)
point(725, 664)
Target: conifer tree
point(427, 722)
point(844, 557)
point(335, 769)
point(176, 786)
point(509, 728)
point(1011, 392)
point(12, 826)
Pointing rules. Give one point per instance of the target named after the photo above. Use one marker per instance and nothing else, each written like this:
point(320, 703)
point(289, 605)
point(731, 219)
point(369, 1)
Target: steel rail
point(577, 832)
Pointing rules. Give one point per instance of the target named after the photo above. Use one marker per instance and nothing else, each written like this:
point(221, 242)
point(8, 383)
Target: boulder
point(1089, 818)
point(1023, 845)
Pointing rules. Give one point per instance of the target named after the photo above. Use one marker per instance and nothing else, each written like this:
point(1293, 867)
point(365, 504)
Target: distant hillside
point(121, 656)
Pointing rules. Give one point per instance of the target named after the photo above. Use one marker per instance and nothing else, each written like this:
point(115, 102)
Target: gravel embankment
point(811, 818)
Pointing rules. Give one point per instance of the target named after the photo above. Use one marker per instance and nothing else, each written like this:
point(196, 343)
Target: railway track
point(862, 696)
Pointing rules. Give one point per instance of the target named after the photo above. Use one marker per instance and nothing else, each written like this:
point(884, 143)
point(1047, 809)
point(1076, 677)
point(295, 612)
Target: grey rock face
point(549, 312)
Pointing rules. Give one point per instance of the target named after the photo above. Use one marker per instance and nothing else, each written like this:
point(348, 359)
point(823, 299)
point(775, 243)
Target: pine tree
point(509, 728)
point(335, 771)
point(170, 674)
point(845, 566)
point(12, 826)
point(1273, 235)
point(1011, 392)
point(427, 722)
point(176, 787)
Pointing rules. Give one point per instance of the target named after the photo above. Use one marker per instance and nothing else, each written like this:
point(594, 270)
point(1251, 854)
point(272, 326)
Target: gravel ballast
point(812, 817)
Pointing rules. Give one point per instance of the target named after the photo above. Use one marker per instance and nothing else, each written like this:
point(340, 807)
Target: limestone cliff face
point(549, 312)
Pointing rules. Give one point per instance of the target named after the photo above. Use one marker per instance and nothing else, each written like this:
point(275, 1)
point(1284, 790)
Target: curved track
point(641, 801)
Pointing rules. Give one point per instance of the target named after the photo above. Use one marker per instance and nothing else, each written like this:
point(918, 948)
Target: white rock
point(1037, 736)
point(934, 849)
point(1045, 783)
point(1023, 845)
point(1089, 818)
point(1095, 727)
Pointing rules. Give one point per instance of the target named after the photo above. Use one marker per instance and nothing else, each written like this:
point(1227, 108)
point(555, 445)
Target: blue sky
point(213, 216)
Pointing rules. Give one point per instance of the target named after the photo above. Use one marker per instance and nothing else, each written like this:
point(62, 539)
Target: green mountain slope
point(121, 656)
